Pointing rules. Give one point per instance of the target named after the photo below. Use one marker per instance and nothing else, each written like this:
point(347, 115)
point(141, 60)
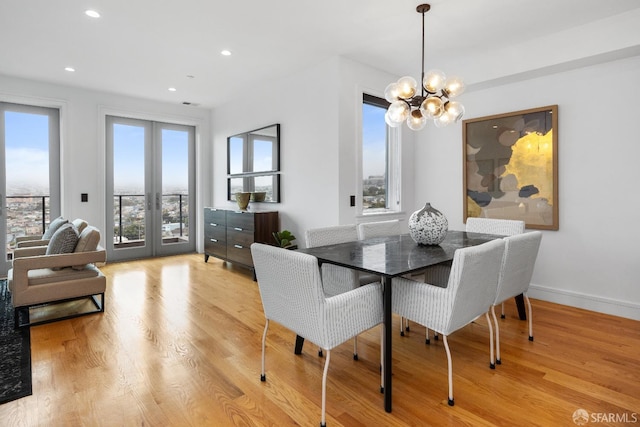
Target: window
point(380, 159)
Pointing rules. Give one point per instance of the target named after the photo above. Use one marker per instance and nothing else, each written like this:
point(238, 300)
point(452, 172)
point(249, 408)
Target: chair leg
point(450, 373)
point(355, 348)
point(426, 339)
point(323, 422)
point(530, 317)
point(381, 358)
point(502, 313)
point(263, 376)
point(495, 321)
point(492, 361)
point(403, 328)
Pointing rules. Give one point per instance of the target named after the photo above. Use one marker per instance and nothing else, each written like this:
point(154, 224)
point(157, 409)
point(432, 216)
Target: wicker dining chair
point(336, 279)
point(502, 227)
point(470, 292)
point(292, 294)
point(520, 253)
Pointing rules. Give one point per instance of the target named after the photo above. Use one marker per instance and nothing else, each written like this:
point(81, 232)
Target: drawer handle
point(238, 246)
point(237, 228)
point(213, 224)
point(214, 240)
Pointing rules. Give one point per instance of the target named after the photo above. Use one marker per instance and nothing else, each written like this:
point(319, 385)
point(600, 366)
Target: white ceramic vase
point(428, 226)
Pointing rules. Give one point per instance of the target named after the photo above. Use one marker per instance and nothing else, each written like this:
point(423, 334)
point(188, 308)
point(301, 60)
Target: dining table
point(389, 257)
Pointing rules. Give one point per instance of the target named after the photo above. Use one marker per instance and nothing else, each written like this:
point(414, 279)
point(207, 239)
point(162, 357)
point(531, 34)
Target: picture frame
point(510, 167)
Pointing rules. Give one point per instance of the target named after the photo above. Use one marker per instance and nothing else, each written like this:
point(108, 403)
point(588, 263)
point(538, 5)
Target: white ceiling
point(143, 47)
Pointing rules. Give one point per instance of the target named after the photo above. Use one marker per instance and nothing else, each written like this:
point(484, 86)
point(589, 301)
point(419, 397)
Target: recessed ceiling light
point(70, 69)
point(92, 13)
point(226, 52)
point(172, 89)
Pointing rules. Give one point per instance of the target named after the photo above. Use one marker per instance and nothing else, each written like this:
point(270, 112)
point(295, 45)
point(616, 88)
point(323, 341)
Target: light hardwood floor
point(179, 345)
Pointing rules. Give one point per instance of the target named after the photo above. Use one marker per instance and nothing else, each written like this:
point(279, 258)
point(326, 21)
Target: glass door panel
point(177, 182)
point(152, 177)
point(29, 173)
point(128, 206)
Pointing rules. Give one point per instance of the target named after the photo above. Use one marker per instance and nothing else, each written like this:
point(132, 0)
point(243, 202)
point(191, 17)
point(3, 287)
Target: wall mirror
point(253, 164)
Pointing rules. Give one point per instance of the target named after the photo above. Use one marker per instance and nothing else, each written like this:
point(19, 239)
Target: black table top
point(395, 255)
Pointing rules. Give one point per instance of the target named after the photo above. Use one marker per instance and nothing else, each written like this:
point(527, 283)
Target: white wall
point(317, 110)
point(83, 139)
point(305, 105)
point(592, 261)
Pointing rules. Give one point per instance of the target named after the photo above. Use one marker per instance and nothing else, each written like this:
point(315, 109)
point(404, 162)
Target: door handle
point(158, 201)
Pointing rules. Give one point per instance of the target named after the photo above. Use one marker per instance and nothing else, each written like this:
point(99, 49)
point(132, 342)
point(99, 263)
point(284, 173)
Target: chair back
point(519, 259)
point(502, 227)
point(290, 289)
point(331, 235)
point(335, 279)
point(368, 230)
point(473, 282)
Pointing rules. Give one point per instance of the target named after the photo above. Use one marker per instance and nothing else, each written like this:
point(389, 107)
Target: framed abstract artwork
point(511, 167)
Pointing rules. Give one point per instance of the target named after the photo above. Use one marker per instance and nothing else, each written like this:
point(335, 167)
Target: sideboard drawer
point(239, 238)
point(240, 254)
point(215, 231)
point(214, 216)
point(215, 247)
point(240, 220)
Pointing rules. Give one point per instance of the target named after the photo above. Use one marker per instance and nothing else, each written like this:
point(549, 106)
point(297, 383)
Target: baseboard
point(611, 306)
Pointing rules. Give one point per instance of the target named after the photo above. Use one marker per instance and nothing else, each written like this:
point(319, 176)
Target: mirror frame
point(247, 160)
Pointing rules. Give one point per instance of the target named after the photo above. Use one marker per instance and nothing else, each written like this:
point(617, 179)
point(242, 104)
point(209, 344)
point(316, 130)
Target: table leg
point(387, 343)
point(299, 344)
point(522, 311)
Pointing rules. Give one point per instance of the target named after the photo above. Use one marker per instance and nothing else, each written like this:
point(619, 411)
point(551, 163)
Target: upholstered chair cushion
point(53, 227)
point(63, 241)
point(80, 224)
point(87, 242)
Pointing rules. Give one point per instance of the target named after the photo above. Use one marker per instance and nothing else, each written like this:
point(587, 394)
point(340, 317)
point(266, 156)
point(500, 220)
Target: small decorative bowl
point(258, 196)
point(242, 199)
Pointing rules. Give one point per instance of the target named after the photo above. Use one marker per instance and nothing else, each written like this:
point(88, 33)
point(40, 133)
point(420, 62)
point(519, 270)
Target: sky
point(128, 150)
point(374, 137)
point(27, 153)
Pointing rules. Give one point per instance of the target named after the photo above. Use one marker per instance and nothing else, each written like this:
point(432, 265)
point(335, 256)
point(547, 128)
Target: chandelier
point(434, 101)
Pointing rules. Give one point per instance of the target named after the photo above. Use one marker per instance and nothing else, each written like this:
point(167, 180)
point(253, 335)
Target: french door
point(29, 173)
point(150, 188)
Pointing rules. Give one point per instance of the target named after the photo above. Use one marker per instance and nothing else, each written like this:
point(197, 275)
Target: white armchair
point(519, 259)
point(38, 278)
point(336, 279)
point(503, 227)
point(291, 289)
point(368, 230)
point(470, 292)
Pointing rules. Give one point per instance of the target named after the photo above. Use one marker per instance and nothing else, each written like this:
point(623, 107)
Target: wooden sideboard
point(228, 234)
